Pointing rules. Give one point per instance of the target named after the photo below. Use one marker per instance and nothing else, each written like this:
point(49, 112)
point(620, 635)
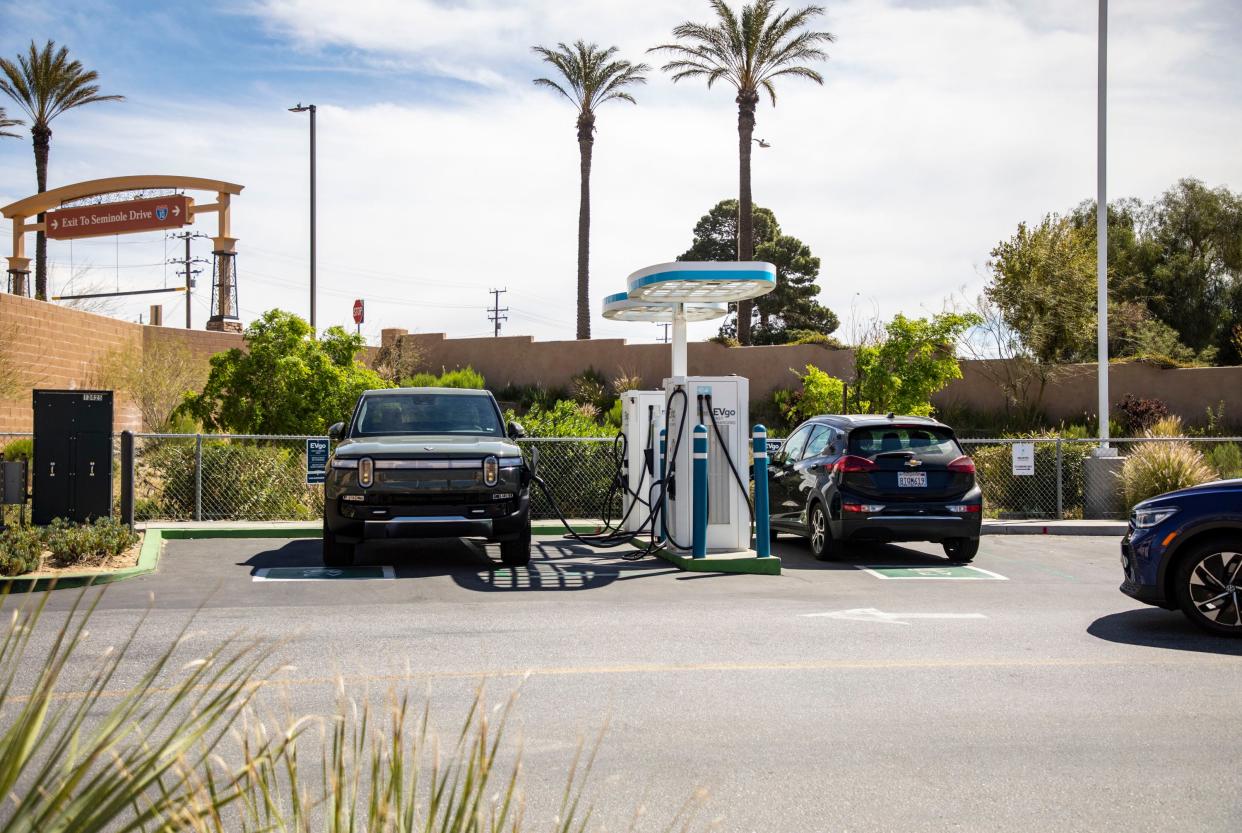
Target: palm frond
point(45, 83)
point(5, 121)
point(591, 75)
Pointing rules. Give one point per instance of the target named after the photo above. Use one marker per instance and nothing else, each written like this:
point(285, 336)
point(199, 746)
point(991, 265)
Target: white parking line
point(871, 614)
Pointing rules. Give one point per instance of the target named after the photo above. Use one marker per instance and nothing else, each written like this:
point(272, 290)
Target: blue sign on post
point(316, 459)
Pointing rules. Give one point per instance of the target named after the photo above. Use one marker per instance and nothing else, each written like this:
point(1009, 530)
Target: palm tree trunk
point(41, 135)
point(746, 102)
point(586, 139)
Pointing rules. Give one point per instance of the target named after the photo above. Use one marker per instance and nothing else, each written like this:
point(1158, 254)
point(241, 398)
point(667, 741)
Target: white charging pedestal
point(642, 417)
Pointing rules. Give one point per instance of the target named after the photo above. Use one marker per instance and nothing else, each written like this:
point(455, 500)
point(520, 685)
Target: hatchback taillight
point(963, 465)
point(851, 464)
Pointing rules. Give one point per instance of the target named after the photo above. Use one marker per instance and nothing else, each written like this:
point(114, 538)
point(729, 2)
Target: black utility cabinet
point(72, 455)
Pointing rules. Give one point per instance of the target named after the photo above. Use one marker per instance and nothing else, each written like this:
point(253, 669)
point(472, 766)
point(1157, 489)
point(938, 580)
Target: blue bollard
point(763, 537)
point(662, 492)
point(699, 541)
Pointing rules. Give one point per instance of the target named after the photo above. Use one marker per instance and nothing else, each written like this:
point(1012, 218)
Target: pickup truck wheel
point(516, 553)
point(336, 554)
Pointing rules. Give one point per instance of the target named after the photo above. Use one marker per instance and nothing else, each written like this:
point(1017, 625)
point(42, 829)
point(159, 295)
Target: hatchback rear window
point(922, 441)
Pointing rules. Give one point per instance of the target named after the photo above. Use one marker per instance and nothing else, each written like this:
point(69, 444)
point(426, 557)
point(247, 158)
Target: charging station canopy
point(621, 307)
point(694, 281)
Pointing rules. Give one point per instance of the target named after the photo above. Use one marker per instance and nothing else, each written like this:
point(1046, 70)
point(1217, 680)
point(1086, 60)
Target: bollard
point(662, 494)
point(699, 484)
point(127, 478)
point(763, 537)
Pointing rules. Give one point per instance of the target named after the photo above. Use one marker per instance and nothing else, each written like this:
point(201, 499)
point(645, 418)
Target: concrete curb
point(148, 560)
point(1110, 529)
point(724, 563)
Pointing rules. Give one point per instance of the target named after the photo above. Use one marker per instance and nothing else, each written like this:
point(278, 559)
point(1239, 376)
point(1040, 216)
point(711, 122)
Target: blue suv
point(1184, 550)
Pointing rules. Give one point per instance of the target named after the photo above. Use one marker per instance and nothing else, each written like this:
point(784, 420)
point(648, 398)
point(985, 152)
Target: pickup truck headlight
point(366, 472)
point(344, 463)
point(491, 471)
point(1156, 515)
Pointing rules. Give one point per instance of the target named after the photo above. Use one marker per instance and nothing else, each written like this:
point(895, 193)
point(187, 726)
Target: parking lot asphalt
point(876, 693)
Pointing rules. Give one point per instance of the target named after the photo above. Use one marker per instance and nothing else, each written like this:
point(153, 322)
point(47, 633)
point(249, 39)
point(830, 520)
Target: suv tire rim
point(819, 533)
point(1215, 586)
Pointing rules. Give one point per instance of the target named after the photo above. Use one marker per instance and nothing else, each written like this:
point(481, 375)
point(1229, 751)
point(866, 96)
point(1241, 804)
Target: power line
point(187, 267)
point(664, 338)
point(495, 315)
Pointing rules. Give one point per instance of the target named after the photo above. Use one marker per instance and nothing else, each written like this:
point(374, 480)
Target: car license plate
point(912, 479)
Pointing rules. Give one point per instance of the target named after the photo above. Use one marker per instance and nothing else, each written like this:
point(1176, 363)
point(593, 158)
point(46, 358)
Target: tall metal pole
point(188, 325)
point(1101, 224)
point(312, 218)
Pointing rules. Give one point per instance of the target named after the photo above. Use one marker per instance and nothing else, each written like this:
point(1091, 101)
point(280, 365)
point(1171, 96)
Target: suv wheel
point(516, 553)
point(961, 550)
point(1209, 586)
point(820, 536)
point(336, 554)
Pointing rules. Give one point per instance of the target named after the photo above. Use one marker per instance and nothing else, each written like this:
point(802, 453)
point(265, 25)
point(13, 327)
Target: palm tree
point(45, 83)
point(589, 77)
point(5, 121)
point(749, 53)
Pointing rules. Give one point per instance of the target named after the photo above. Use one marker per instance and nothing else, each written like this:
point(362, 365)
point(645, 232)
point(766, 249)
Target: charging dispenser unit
point(728, 449)
point(642, 416)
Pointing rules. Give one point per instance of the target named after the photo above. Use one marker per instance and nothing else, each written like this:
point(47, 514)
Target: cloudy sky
point(443, 172)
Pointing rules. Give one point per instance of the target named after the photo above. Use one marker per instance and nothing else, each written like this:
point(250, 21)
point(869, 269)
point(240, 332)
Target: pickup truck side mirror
point(516, 431)
point(337, 431)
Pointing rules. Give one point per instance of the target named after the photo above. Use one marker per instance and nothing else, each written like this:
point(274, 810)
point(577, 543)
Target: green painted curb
point(753, 565)
point(191, 533)
point(148, 559)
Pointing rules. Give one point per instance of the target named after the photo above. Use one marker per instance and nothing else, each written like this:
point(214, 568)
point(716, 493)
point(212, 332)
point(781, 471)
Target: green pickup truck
point(426, 463)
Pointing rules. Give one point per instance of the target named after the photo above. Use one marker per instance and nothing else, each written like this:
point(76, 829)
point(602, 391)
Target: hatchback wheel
point(822, 545)
point(1209, 586)
point(961, 550)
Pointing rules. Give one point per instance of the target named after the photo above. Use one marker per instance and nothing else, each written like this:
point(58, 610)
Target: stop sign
point(358, 311)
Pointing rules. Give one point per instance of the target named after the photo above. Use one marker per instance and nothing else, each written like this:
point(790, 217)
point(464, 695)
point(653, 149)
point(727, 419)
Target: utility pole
point(494, 315)
point(187, 268)
point(664, 338)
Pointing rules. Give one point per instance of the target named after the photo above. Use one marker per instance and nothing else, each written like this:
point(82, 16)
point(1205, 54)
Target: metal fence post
point(198, 477)
point(1060, 484)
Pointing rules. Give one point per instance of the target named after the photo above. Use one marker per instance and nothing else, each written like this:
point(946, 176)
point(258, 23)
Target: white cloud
point(941, 126)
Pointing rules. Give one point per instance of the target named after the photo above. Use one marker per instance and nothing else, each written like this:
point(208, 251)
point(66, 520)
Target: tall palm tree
point(589, 76)
point(749, 53)
point(5, 121)
point(45, 83)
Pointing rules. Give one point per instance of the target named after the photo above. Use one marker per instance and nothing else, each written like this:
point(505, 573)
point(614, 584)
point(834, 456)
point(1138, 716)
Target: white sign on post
point(1023, 459)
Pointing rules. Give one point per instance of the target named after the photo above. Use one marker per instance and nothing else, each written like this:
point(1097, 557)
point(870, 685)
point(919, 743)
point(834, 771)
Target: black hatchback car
point(877, 478)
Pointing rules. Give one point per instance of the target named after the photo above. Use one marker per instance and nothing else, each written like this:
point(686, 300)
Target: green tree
point(285, 381)
point(912, 360)
point(45, 83)
point(1043, 282)
point(6, 122)
point(589, 77)
point(748, 52)
point(792, 307)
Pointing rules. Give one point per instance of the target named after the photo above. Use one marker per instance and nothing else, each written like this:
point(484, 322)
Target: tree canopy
point(1174, 279)
point(792, 309)
point(912, 360)
point(285, 381)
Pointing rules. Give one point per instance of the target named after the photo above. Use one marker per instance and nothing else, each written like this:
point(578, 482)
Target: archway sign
point(688, 290)
point(132, 216)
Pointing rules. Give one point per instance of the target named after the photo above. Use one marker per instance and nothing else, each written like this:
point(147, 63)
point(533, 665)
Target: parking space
point(845, 695)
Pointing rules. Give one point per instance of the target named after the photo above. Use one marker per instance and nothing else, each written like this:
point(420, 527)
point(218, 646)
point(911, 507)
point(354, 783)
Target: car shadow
point(1157, 628)
point(796, 555)
point(555, 564)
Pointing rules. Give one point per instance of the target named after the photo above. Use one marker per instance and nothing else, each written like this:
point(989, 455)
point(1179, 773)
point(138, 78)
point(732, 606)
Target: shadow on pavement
point(1157, 628)
point(795, 555)
point(555, 565)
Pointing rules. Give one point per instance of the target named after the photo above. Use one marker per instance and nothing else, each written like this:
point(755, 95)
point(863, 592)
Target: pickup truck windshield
point(427, 413)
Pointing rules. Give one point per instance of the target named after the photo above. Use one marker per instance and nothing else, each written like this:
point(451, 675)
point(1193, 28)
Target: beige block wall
point(57, 347)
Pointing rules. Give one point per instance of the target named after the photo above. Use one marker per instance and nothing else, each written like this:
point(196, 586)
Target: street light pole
point(1101, 226)
point(300, 108)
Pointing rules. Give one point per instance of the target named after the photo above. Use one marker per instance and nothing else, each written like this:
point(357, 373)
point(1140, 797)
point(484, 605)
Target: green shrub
point(591, 388)
point(820, 394)
point(564, 419)
point(1155, 468)
point(463, 377)
point(1226, 458)
point(72, 544)
point(21, 549)
point(813, 337)
point(22, 449)
point(527, 396)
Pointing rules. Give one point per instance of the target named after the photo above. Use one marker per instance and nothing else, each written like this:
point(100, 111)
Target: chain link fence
point(1056, 488)
point(184, 477)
